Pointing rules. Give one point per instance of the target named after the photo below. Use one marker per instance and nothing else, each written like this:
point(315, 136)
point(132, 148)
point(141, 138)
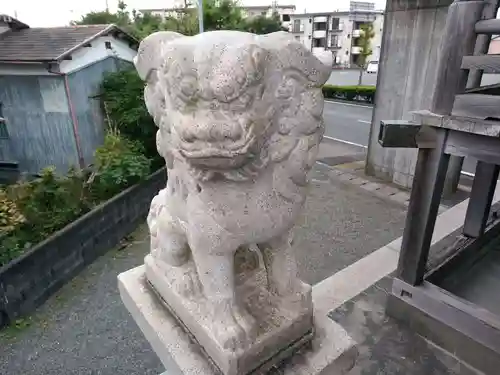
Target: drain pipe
point(74, 118)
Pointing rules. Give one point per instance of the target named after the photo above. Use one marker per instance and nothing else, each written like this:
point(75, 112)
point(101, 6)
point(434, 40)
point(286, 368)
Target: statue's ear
point(149, 56)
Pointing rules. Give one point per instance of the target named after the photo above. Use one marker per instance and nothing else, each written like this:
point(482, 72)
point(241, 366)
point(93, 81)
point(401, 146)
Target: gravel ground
point(84, 329)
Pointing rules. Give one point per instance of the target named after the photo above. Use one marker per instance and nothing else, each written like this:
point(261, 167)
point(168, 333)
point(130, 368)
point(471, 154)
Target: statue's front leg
point(233, 325)
point(281, 266)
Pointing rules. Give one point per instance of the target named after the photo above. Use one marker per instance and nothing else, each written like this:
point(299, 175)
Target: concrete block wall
point(406, 79)
point(28, 281)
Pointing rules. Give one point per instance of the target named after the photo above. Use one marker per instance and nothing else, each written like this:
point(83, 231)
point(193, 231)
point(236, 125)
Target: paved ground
point(84, 329)
point(385, 347)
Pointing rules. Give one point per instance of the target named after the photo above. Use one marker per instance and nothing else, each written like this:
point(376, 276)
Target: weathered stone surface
point(332, 351)
point(240, 122)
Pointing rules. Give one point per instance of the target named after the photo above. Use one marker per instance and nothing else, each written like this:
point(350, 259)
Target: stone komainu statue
point(240, 122)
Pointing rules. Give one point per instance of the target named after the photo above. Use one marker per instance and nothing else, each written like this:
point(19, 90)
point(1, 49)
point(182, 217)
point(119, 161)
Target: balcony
point(320, 19)
point(318, 50)
point(336, 28)
point(356, 50)
point(357, 33)
point(319, 34)
point(334, 44)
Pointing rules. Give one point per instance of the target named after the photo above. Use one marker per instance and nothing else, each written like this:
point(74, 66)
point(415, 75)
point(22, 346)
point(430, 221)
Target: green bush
point(120, 163)
point(352, 93)
point(122, 98)
point(31, 211)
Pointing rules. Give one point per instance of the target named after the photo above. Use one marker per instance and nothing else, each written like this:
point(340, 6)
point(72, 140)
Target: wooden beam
point(475, 146)
point(489, 27)
point(405, 134)
point(477, 106)
point(399, 134)
point(486, 63)
point(425, 198)
point(483, 188)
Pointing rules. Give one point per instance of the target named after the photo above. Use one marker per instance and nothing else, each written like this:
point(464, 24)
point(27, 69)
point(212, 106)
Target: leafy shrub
point(10, 216)
point(31, 211)
point(119, 163)
point(359, 93)
point(122, 97)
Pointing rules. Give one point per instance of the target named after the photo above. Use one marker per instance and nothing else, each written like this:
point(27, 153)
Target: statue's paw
point(230, 335)
point(247, 322)
point(188, 285)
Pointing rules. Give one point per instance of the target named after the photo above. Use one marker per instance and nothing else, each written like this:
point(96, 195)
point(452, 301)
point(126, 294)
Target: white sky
point(40, 13)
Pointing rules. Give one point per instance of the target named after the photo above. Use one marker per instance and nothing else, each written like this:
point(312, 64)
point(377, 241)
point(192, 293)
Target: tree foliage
point(217, 15)
point(365, 41)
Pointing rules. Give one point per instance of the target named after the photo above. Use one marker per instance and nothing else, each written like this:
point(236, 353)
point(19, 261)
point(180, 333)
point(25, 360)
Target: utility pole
point(107, 6)
point(200, 15)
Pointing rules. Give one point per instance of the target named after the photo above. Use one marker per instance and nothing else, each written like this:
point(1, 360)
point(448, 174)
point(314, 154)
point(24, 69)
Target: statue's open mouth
point(200, 151)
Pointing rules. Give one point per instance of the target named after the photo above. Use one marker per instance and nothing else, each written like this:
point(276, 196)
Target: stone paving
point(386, 347)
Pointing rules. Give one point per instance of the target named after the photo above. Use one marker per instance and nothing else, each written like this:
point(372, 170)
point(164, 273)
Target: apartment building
point(284, 11)
point(339, 32)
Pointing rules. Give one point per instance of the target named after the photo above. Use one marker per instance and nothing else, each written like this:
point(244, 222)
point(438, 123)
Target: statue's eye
point(188, 88)
point(286, 89)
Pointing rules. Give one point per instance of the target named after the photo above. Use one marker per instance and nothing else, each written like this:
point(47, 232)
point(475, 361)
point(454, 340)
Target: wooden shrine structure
point(450, 292)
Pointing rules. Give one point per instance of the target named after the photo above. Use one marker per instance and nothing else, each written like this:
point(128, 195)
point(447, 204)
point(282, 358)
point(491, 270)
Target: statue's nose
point(213, 131)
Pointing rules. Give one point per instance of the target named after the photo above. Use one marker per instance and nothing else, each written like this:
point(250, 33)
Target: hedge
point(351, 93)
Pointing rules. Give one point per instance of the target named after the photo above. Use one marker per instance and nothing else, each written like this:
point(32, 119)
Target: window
point(319, 42)
point(320, 26)
point(286, 17)
point(335, 23)
point(3, 125)
point(107, 44)
point(296, 26)
point(335, 41)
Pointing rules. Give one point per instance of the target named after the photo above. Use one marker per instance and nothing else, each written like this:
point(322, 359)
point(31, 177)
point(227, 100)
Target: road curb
point(351, 102)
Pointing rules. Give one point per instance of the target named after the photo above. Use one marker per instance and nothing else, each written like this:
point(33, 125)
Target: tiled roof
point(46, 44)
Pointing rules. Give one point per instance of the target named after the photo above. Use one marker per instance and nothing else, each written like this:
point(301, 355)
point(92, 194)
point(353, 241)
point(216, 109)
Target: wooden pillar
point(425, 198)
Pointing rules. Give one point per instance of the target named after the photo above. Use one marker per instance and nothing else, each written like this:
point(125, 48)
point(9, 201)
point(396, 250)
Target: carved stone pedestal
point(283, 325)
point(331, 351)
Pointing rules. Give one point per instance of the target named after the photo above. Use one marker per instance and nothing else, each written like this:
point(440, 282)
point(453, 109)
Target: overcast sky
point(59, 12)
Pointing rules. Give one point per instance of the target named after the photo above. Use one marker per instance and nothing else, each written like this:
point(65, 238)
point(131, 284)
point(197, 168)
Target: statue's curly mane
point(188, 86)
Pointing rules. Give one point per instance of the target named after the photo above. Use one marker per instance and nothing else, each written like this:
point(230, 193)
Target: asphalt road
point(350, 123)
point(348, 77)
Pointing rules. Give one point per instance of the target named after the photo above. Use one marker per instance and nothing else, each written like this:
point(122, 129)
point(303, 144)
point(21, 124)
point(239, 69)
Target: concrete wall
point(410, 42)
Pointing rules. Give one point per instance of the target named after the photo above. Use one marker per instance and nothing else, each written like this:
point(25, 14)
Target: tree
point(263, 24)
point(120, 18)
point(364, 42)
point(222, 15)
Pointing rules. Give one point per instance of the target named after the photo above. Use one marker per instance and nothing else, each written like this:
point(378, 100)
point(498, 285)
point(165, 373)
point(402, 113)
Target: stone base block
point(282, 324)
point(330, 352)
